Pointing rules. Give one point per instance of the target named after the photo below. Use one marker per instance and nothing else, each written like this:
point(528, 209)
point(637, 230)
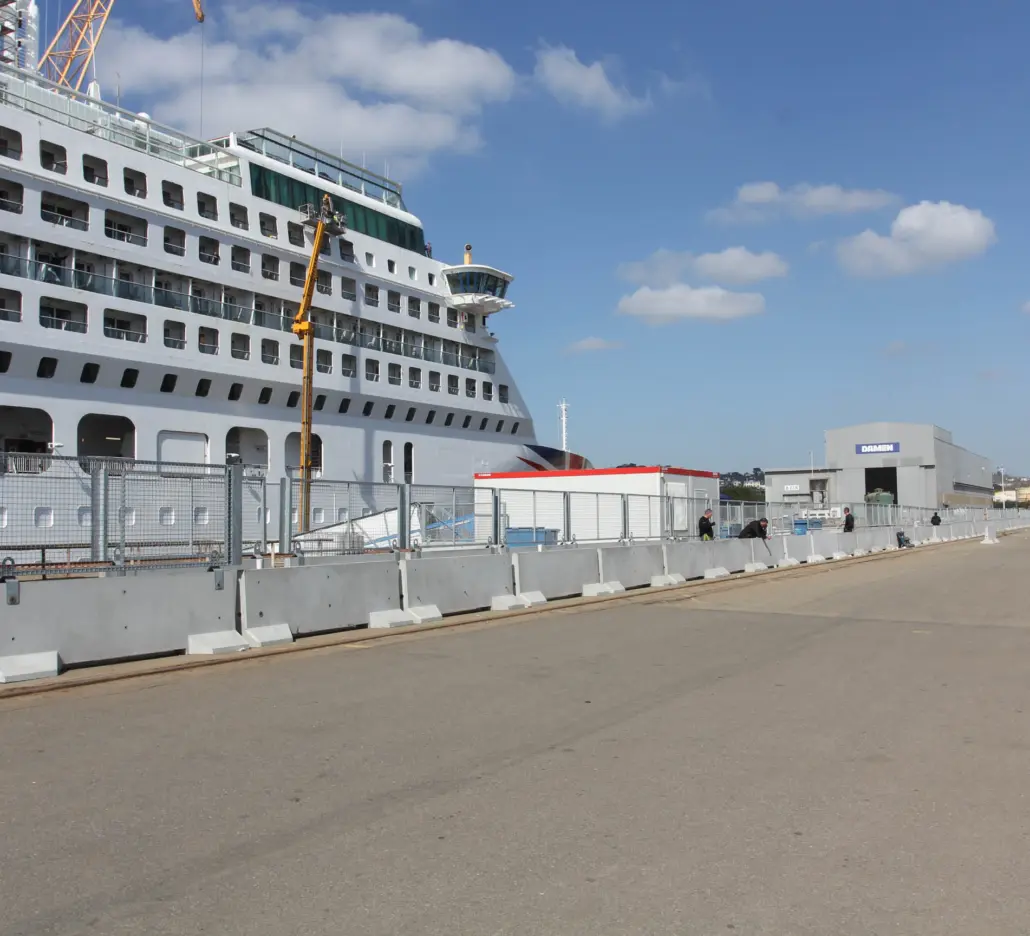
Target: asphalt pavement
point(844, 749)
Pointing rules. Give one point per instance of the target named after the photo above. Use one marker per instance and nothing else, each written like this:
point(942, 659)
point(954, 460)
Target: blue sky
point(688, 186)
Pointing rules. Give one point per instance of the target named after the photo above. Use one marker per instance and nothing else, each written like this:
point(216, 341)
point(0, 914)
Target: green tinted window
point(292, 193)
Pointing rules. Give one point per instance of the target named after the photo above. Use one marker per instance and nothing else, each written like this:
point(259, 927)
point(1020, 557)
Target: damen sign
point(877, 448)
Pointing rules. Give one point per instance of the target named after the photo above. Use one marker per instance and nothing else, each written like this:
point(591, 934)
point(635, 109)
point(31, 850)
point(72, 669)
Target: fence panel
point(62, 515)
point(346, 517)
point(450, 516)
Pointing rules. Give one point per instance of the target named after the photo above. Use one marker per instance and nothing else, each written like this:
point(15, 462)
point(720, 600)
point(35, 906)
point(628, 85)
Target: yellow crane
point(68, 57)
point(326, 224)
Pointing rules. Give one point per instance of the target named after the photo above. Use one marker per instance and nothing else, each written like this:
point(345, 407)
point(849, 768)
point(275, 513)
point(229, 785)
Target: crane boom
point(67, 59)
point(326, 224)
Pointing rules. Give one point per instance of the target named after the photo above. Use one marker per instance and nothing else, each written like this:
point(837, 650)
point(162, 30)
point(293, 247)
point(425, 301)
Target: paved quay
point(845, 749)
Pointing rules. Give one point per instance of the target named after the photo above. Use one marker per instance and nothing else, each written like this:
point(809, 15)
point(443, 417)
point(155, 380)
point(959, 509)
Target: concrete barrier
point(320, 598)
point(556, 573)
point(631, 566)
point(686, 559)
point(456, 583)
point(731, 554)
point(94, 620)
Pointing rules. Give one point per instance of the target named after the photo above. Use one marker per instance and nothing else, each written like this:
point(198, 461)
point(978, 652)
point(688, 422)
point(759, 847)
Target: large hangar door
point(886, 479)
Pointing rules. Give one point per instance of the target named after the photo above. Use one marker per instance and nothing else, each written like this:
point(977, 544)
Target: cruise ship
point(148, 283)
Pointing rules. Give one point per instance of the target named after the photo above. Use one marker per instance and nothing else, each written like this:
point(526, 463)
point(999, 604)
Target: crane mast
point(67, 59)
point(326, 224)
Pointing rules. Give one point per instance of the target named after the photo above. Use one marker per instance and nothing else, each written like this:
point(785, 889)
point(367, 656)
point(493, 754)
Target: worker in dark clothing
point(756, 529)
point(704, 527)
point(935, 520)
point(849, 520)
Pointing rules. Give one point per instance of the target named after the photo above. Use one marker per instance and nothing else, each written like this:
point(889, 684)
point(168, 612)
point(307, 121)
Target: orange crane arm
point(198, 11)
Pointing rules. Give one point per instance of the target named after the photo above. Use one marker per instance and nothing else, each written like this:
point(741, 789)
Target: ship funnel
point(468, 254)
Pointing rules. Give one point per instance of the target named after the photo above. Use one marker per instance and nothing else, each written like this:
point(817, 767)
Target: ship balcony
point(477, 288)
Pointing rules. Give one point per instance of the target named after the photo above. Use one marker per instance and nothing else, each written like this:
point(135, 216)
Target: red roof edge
point(598, 472)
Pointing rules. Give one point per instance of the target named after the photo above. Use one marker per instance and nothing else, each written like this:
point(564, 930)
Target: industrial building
point(918, 465)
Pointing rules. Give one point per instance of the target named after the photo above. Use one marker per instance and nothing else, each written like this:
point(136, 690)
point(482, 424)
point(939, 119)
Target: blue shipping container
point(530, 536)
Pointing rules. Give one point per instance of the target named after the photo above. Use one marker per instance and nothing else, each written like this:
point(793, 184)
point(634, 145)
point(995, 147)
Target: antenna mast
point(563, 424)
point(68, 57)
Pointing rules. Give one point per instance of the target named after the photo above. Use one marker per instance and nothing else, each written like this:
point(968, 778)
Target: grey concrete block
point(227, 641)
point(555, 573)
point(595, 589)
point(424, 614)
point(615, 587)
point(631, 565)
point(270, 635)
point(841, 555)
point(28, 666)
point(394, 617)
point(859, 552)
point(661, 581)
point(508, 602)
point(717, 573)
point(788, 562)
point(533, 598)
point(755, 567)
point(815, 558)
point(457, 583)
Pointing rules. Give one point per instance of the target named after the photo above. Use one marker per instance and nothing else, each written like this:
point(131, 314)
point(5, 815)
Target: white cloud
point(559, 70)
point(739, 265)
point(922, 237)
point(371, 83)
point(592, 344)
point(680, 301)
point(759, 201)
point(734, 265)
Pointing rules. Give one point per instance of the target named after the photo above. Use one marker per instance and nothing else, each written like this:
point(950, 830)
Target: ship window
point(432, 282)
point(53, 158)
point(393, 301)
point(482, 425)
point(414, 307)
point(172, 196)
point(449, 419)
point(293, 399)
point(168, 383)
point(391, 266)
point(514, 428)
point(452, 384)
point(434, 381)
point(390, 410)
point(394, 374)
point(387, 462)
point(10, 300)
point(125, 227)
point(324, 282)
point(135, 183)
point(10, 143)
point(372, 370)
point(292, 458)
point(238, 217)
point(5, 361)
point(409, 462)
point(207, 206)
point(319, 402)
point(434, 312)
point(502, 393)
point(240, 259)
point(250, 445)
point(297, 356)
point(430, 417)
point(412, 273)
point(470, 387)
point(488, 390)
point(415, 378)
point(411, 414)
point(297, 274)
point(239, 346)
point(348, 288)
point(371, 295)
point(344, 405)
point(324, 361)
point(295, 233)
point(452, 318)
point(47, 367)
point(466, 422)
point(269, 351)
point(101, 435)
point(94, 170)
point(129, 377)
point(370, 259)
point(207, 340)
point(89, 373)
point(348, 365)
point(175, 241)
point(265, 396)
point(203, 387)
point(346, 250)
point(500, 425)
point(292, 193)
point(209, 250)
point(367, 409)
point(269, 267)
point(269, 226)
point(12, 199)
point(175, 334)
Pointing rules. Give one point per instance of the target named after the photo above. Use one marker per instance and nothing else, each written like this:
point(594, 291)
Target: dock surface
point(843, 749)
